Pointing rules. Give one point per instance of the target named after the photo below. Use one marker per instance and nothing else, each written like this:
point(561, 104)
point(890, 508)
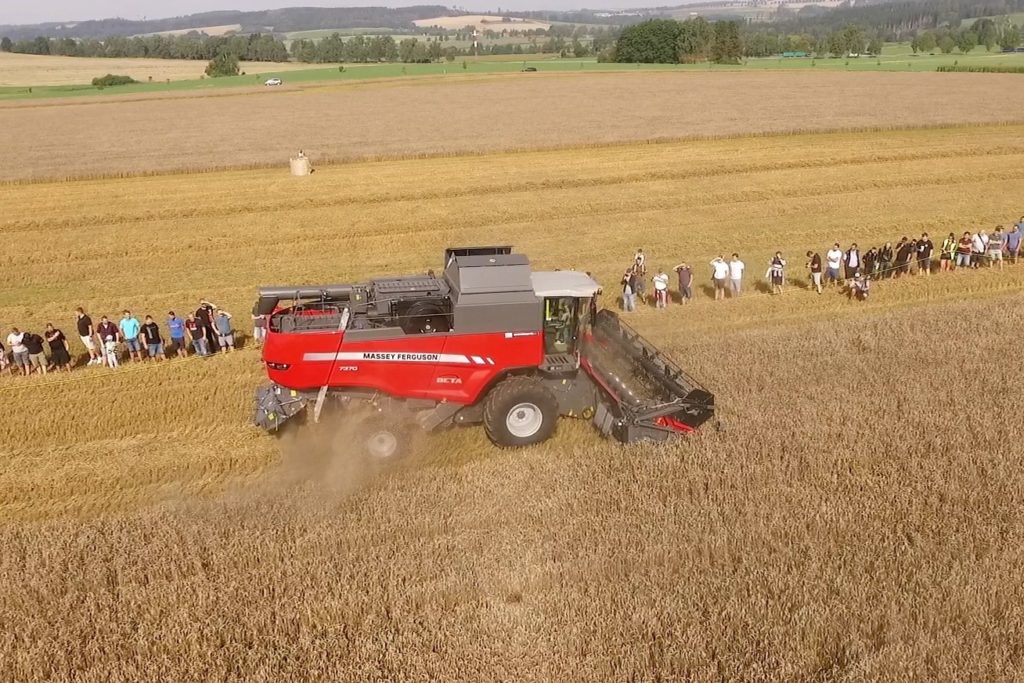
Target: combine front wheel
point(383, 440)
point(520, 412)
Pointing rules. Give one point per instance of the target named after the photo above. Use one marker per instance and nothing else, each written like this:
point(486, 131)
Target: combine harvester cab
point(490, 341)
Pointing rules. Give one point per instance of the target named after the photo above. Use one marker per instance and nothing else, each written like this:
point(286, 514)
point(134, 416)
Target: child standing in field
point(110, 351)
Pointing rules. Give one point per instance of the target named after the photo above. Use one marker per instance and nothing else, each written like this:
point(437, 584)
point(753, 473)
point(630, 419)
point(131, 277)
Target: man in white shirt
point(833, 259)
point(16, 340)
point(660, 289)
point(719, 274)
point(736, 267)
point(979, 245)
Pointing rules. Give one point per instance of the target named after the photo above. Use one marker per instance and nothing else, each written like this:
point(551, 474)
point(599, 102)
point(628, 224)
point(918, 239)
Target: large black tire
point(520, 411)
point(382, 440)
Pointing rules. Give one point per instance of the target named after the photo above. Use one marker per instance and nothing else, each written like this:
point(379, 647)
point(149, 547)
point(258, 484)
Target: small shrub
point(111, 80)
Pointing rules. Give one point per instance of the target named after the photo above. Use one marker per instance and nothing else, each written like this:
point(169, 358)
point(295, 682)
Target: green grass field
point(893, 58)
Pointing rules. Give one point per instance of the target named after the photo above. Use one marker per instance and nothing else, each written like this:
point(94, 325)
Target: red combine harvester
point(490, 341)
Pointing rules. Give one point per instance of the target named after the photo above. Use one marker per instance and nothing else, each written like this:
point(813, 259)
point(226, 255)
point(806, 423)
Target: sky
point(37, 11)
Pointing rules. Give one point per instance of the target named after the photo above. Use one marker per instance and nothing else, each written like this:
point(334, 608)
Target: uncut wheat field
point(858, 515)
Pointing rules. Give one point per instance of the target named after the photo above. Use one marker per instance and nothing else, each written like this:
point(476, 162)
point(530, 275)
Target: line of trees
point(255, 47)
point(665, 41)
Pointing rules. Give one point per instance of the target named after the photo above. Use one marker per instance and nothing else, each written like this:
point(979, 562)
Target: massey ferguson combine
point(490, 341)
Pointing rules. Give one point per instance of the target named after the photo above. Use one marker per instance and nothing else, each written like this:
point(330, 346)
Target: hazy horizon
point(41, 11)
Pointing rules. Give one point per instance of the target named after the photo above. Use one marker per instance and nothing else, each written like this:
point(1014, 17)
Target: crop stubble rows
point(851, 519)
point(517, 111)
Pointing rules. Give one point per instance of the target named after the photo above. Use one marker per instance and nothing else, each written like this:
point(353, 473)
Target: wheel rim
point(382, 444)
point(524, 420)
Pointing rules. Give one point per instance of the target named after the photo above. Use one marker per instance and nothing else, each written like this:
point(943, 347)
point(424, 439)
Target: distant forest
point(929, 25)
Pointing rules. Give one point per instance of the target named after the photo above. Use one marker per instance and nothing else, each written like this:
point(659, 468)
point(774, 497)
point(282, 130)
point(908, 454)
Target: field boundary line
point(335, 161)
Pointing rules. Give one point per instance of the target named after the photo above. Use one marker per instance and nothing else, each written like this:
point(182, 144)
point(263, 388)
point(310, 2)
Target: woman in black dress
point(59, 356)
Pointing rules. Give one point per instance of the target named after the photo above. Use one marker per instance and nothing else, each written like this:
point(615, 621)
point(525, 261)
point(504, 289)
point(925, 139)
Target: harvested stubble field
point(852, 520)
point(36, 70)
point(75, 137)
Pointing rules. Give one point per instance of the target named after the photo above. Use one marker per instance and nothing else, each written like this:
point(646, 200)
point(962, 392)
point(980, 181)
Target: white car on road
point(273, 81)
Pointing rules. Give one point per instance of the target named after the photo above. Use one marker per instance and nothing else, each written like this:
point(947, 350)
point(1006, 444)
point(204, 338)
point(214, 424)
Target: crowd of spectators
point(206, 331)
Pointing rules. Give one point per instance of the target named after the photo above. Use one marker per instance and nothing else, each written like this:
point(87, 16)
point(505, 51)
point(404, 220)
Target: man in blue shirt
point(1013, 240)
point(176, 328)
point(130, 329)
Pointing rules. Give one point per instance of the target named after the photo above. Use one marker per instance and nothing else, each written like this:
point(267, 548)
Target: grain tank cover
point(570, 283)
point(476, 274)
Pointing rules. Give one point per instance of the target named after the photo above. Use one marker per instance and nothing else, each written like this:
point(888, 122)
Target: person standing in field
point(259, 327)
point(629, 290)
point(225, 333)
point(904, 254)
point(885, 256)
point(197, 331)
point(685, 275)
point(925, 248)
point(947, 253)
point(130, 329)
point(963, 250)
point(979, 246)
point(870, 261)
point(833, 260)
point(154, 342)
point(87, 334)
point(851, 261)
point(640, 282)
point(36, 354)
point(996, 243)
point(176, 330)
point(660, 282)
point(59, 356)
point(109, 336)
point(1013, 240)
point(777, 272)
point(736, 267)
point(814, 266)
point(205, 315)
point(719, 274)
point(19, 352)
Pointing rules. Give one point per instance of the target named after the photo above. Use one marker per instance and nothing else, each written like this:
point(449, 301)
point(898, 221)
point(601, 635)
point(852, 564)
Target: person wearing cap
point(176, 331)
